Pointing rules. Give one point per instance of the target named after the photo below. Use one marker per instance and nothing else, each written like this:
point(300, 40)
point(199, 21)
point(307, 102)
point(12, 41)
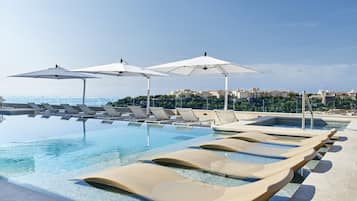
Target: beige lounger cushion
point(187, 114)
point(211, 162)
point(159, 113)
point(236, 127)
point(257, 136)
point(138, 112)
point(225, 117)
point(110, 111)
point(236, 145)
point(162, 184)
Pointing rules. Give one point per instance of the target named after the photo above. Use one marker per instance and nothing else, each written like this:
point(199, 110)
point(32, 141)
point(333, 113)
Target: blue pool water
point(291, 122)
point(53, 154)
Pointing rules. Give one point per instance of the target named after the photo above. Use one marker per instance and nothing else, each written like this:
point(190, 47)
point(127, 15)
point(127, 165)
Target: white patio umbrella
point(123, 69)
point(203, 65)
point(58, 73)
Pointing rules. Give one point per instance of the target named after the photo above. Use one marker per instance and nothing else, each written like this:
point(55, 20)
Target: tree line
point(291, 104)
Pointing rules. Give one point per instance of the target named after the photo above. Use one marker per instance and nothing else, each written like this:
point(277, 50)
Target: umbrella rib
point(176, 68)
point(222, 70)
point(193, 70)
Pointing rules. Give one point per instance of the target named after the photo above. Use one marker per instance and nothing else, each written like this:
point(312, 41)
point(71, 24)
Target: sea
point(90, 101)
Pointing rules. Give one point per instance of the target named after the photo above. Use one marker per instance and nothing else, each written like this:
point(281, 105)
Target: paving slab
point(335, 178)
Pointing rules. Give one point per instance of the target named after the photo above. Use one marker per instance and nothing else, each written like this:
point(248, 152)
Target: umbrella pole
point(225, 92)
point(148, 97)
point(84, 91)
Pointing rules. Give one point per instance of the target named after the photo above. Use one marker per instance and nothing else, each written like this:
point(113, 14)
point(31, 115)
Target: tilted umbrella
point(124, 69)
point(203, 65)
point(58, 73)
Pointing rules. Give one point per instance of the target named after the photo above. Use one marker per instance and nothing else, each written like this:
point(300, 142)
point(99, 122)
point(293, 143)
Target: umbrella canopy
point(58, 73)
point(54, 73)
point(123, 69)
point(203, 65)
point(119, 69)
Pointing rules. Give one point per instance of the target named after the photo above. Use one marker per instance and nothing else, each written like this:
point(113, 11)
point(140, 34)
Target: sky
point(295, 45)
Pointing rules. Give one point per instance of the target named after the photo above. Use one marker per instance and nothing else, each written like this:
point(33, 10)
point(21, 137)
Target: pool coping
point(13, 192)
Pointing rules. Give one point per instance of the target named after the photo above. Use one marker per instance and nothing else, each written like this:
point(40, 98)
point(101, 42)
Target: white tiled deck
point(335, 178)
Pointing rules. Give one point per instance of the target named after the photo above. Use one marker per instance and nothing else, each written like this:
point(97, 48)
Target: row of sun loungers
point(151, 178)
point(155, 182)
point(225, 121)
point(159, 115)
point(67, 111)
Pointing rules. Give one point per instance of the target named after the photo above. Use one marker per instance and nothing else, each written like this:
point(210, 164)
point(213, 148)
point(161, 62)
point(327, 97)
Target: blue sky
point(296, 45)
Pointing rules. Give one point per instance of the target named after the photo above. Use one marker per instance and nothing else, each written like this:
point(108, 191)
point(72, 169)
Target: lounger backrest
point(159, 113)
point(187, 114)
point(225, 117)
point(34, 106)
point(137, 111)
point(69, 109)
point(48, 107)
point(86, 109)
point(111, 111)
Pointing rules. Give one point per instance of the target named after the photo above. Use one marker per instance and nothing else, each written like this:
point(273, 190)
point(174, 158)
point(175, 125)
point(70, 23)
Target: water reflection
point(57, 147)
point(17, 166)
point(148, 128)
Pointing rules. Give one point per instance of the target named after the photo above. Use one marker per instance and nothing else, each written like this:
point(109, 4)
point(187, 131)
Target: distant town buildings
point(239, 93)
point(324, 95)
point(327, 95)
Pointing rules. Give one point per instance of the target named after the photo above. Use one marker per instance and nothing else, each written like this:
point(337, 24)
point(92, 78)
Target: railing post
point(311, 112)
point(303, 111)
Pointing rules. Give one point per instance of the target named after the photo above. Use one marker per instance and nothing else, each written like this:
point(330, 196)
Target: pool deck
point(13, 192)
point(335, 177)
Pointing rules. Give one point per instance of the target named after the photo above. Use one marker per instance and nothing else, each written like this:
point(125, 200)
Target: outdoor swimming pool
point(53, 154)
point(291, 122)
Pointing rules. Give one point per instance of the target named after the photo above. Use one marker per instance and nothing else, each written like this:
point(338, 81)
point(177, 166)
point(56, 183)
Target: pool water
point(290, 122)
point(53, 154)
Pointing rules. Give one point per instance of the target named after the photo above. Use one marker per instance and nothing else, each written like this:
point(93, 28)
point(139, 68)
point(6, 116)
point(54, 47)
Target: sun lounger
point(225, 117)
point(69, 109)
point(189, 118)
point(34, 106)
point(138, 112)
point(72, 112)
point(257, 136)
point(110, 114)
point(235, 145)
point(208, 161)
point(110, 111)
point(160, 115)
point(38, 111)
point(86, 110)
point(154, 182)
point(49, 108)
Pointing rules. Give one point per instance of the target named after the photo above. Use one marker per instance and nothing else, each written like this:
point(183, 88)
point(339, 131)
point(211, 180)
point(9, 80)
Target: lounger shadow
point(304, 193)
point(342, 138)
point(335, 149)
point(323, 166)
